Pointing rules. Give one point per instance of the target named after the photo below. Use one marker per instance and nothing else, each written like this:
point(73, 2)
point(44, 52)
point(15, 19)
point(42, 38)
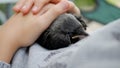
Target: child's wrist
point(7, 51)
point(7, 48)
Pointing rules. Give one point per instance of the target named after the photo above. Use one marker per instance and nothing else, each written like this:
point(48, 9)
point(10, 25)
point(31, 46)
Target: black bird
point(65, 30)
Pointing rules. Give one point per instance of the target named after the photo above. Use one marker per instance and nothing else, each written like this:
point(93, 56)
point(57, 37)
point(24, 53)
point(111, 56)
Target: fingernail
point(35, 9)
point(65, 5)
point(16, 9)
point(24, 8)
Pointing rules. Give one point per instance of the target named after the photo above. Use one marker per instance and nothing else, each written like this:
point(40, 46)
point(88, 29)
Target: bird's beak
point(80, 36)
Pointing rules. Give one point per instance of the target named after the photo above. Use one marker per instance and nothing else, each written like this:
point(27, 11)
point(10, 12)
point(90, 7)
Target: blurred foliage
point(91, 4)
point(114, 2)
point(85, 4)
point(82, 3)
point(0, 22)
point(2, 7)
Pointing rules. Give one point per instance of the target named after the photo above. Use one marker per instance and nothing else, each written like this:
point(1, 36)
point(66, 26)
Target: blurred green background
point(85, 4)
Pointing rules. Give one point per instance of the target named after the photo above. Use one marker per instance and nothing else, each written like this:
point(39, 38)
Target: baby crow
point(65, 30)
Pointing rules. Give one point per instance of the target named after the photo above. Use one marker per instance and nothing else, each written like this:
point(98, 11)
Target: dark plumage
point(65, 30)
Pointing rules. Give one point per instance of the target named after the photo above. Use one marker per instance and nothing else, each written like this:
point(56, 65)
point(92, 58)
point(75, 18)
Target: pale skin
point(22, 30)
point(25, 5)
point(35, 6)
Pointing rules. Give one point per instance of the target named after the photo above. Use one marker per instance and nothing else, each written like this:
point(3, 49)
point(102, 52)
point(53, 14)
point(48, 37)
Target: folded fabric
point(100, 50)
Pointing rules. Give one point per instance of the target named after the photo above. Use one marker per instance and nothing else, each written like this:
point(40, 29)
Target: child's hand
point(35, 5)
point(23, 30)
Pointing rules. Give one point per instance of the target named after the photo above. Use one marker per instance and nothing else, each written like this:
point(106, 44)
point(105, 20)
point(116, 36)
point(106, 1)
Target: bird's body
point(65, 30)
